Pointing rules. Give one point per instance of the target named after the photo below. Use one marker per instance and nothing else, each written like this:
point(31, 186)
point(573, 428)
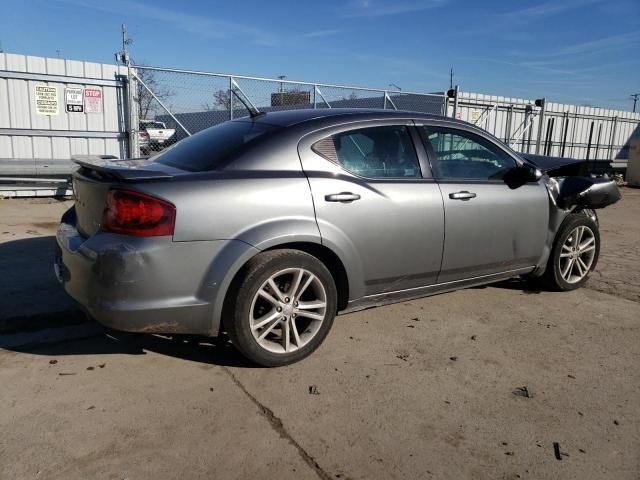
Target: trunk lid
point(97, 175)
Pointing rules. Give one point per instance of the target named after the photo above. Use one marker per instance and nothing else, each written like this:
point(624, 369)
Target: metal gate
point(173, 104)
point(40, 143)
point(545, 128)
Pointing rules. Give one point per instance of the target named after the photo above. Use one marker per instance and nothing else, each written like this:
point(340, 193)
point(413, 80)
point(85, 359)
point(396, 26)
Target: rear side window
point(375, 152)
point(212, 148)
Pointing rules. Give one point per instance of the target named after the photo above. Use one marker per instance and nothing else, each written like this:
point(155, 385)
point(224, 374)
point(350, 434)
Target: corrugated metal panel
point(22, 147)
point(42, 147)
point(19, 116)
point(60, 148)
point(96, 146)
point(16, 63)
point(5, 121)
point(18, 111)
point(607, 141)
point(112, 147)
point(6, 150)
point(79, 146)
point(110, 97)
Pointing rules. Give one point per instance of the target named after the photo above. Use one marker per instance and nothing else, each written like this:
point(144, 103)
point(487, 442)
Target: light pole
point(635, 97)
point(282, 77)
point(395, 86)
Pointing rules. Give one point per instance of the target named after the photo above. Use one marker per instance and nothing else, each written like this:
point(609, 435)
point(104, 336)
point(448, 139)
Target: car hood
point(548, 164)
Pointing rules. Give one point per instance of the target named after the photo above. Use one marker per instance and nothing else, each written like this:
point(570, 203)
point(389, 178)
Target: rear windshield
point(211, 148)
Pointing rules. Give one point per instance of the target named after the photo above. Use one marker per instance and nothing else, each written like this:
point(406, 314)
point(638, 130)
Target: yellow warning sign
point(46, 100)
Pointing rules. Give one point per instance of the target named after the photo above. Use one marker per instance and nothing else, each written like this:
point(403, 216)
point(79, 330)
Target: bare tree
point(146, 103)
point(352, 96)
point(221, 101)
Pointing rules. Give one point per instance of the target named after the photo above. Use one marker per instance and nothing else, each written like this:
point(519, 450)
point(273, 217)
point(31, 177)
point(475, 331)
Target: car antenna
point(240, 95)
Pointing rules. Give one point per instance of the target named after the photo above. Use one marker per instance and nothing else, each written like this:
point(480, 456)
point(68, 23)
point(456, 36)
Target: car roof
point(310, 118)
point(287, 118)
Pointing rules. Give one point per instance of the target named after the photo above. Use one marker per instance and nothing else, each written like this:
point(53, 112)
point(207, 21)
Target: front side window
point(374, 152)
point(461, 155)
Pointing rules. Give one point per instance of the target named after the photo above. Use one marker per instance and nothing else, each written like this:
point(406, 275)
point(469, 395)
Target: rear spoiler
point(126, 170)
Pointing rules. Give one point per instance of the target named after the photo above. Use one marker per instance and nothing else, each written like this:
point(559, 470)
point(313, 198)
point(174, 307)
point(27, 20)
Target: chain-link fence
point(173, 104)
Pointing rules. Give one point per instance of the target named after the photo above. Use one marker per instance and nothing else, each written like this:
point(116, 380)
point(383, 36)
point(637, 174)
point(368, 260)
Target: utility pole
point(451, 78)
point(635, 97)
point(125, 44)
point(134, 146)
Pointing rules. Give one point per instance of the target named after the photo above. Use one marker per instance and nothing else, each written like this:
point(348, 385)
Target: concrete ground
point(432, 388)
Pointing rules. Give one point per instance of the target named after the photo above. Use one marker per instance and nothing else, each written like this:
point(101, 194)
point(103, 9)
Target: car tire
point(574, 255)
point(275, 328)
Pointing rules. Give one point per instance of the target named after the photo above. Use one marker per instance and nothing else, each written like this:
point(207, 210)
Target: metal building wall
point(31, 143)
point(566, 130)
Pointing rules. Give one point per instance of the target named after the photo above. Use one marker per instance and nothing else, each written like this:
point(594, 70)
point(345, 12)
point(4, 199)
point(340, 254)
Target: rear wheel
point(283, 309)
point(575, 253)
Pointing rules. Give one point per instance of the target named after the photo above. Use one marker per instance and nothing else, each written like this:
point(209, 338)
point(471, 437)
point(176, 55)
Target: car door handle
point(464, 195)
point(344, 197)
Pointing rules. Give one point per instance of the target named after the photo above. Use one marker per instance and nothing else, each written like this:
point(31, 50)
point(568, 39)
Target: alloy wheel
point(577, 254)
point(288, 310)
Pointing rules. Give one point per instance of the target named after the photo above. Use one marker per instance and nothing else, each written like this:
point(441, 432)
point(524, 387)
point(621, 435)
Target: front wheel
point(575, 253)
point(283, 308)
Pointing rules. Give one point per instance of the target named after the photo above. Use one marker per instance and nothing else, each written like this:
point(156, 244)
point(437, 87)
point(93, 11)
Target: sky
point(585, 52)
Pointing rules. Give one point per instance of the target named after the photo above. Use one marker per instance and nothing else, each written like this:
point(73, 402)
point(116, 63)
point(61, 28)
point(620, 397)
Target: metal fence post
point(132, 117)
point(230, 98)
point(565, 131)
point(508, 126)
point(614, 127)
point(455, 101)
point(595, 155)
point(590, 139)
point(540, 126)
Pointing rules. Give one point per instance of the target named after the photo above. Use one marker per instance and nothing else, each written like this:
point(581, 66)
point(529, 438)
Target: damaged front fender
point(587, 192)
point(574, 194)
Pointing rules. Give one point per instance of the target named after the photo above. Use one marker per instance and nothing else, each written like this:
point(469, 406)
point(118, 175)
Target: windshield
point(211, 148)
point(152, 125)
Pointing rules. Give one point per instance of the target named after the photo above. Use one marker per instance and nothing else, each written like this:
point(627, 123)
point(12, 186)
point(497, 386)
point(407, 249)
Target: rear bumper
point(147, 284)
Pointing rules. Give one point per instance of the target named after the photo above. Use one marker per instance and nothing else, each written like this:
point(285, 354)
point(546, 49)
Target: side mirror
point(536, 174)
point(529, 173)
point(518, 176)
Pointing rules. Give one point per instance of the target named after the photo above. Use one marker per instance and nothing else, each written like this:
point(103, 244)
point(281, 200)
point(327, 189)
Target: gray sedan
point(267, 226)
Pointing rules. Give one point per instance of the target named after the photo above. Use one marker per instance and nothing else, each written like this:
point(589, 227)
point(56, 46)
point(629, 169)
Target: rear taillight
point(137, 214)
